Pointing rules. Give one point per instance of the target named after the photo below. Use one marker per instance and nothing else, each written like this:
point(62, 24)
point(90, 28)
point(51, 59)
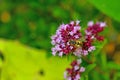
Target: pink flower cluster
point(68, 38)
point(74, 72)
point(93, 30)
point(65, 34)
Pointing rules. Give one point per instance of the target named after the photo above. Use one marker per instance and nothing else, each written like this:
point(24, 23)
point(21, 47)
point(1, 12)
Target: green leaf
point(99, 46)
point(116, 76)
point(88, 69)
point(25, 63)
point(113, 65)
point(1, 62)
point(103, 60)
point(110, 8)
point(84, 77)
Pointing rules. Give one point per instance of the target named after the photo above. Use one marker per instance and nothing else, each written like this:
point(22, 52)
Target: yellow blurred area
point(118, 39)
point(5, 16)
point(117, 57)
point(26, 63)
point(109, 48)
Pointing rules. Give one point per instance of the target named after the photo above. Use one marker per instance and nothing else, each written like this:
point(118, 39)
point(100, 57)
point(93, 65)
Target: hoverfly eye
point(72, 42)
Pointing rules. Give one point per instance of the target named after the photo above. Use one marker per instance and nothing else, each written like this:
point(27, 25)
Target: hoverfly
point(77, 43)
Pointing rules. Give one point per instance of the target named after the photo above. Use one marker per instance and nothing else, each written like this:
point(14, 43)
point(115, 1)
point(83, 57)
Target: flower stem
point(86, 77)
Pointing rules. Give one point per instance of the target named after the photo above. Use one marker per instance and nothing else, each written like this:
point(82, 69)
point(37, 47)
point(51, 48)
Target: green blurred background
point(26, 27)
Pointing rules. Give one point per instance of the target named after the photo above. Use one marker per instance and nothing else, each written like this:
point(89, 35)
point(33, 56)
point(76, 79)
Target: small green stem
point(86, 77)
